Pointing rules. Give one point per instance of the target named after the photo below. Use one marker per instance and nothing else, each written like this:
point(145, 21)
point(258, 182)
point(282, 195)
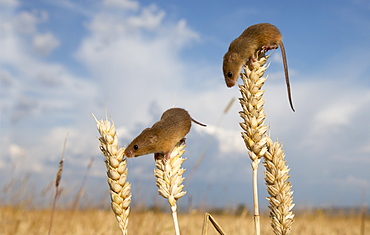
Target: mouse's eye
point(136, 147)
point(229, 74)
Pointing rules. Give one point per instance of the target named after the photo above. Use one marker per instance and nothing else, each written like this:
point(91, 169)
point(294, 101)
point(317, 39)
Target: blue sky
point(61, 60)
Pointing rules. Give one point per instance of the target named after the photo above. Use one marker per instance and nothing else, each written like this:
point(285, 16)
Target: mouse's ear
point(153, 138)
point(233, 56)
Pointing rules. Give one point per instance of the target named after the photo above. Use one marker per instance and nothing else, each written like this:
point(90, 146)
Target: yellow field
point(16, 221)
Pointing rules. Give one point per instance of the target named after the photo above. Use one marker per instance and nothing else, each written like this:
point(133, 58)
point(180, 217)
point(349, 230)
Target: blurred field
point(17, 221)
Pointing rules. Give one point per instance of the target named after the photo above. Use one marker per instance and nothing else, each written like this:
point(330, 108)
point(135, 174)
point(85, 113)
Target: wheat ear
point(57, 182)
point(279, 188)
point(169, 180)
point(120, 189)
point(254, 134)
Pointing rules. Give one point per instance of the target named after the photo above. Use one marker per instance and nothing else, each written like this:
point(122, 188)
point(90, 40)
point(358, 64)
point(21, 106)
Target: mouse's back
point(175, 122)
point(263, 34)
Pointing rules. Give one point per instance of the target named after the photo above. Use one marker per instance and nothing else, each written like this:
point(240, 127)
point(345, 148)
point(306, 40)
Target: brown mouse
point(162, 137)
point(262, 36)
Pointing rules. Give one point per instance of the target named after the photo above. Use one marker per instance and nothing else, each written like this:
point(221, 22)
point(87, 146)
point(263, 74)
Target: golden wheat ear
point(279, 188)
point(254, 134)
point(169, 179)
point(120, 189)
point(260, 145)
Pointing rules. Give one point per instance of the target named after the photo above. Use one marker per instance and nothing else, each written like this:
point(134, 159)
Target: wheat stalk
point(120, 189)
point(209, 218)
point(254, 134)
point(169, 179)
point(57, 182)
point(279, 188)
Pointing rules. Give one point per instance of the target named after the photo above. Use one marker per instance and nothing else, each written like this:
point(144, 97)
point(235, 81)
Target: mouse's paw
point(182, 141)
point(166, 157)
point(267, 48)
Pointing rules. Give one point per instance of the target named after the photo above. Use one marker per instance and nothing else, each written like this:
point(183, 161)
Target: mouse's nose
point(128, 153)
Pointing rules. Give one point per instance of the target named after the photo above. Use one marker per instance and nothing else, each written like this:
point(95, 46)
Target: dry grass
point(16, 221)
point(57, 182)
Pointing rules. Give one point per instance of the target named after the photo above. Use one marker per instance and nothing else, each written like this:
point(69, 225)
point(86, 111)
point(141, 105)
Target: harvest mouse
point(162, 137)
point(257, 37)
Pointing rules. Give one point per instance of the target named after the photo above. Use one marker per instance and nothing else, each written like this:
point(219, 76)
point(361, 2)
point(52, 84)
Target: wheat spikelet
point(252, 104)
point(254, 134)
point(279, 188)
point(120, 189)
point(169, 179)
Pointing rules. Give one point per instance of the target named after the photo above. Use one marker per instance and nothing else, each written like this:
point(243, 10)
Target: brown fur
point(262, 36)
point(162, 137)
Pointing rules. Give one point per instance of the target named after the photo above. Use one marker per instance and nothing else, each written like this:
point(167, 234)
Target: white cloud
point(36, 86)
point(17, 32)
point(6, 78)
point(9, 3)
point(16, 151)
point(150, 18)
point(121, 4)
point(45, 43)
point(134, 56)
point(365, 150)
point(231, 140)
point(338, 114)
point(26, 22)
point(24, 106)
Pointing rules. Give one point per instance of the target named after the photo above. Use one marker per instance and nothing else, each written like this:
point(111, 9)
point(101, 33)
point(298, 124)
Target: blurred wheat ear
point(169, 180)
point(120, 189)
point(57, 182)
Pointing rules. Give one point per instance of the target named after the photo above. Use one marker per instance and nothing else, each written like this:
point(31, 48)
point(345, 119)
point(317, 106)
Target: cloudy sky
point(61, 60)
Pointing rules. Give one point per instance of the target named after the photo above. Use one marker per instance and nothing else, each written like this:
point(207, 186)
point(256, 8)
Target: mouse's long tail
point(285, 62)
point(198, 122)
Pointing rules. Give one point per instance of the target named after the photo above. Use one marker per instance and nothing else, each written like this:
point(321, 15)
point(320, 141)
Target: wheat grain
point(279, 188)
point(120, 189)
point(169, 179)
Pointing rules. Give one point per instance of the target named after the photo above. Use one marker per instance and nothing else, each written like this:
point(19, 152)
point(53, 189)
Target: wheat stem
point(256, 216)
point(169, 180)
point(120, 189)
point(253, 115)
point(209, 218)
point(175, 220)
point(57, 182)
